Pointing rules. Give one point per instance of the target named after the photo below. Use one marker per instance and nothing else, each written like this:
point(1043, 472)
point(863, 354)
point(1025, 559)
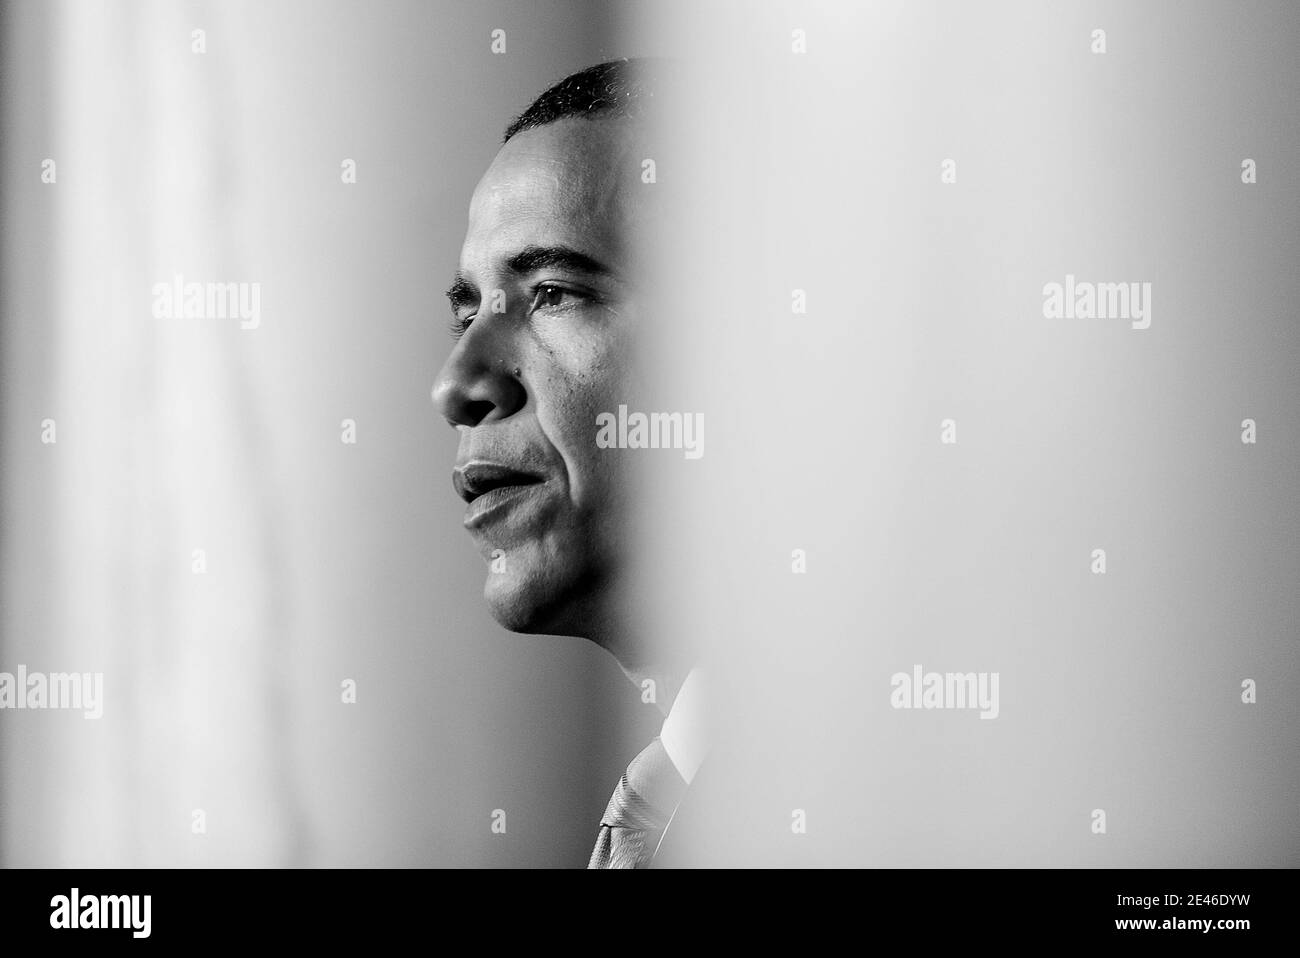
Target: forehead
point(570, 183)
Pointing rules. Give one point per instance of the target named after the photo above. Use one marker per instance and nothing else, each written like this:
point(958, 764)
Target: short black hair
point(617, 87)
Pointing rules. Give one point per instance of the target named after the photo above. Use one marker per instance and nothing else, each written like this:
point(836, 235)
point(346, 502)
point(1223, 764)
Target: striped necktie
point(638, 811)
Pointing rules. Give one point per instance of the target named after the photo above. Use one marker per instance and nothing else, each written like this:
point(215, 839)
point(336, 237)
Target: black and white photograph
point(556, 436)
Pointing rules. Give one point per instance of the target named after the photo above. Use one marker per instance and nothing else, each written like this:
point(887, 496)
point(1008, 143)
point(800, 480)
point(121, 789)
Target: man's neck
point(657, 670)
point(658, 683)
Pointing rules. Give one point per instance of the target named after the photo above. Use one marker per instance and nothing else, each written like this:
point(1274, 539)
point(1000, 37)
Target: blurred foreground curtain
point(161, 546)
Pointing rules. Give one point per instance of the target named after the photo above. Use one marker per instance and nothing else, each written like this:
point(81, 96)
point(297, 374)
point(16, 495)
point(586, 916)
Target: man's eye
point(459, 325)
point(550, 296)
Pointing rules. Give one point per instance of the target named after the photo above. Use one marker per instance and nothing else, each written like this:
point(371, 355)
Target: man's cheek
point(574, 345)
point(572, 425)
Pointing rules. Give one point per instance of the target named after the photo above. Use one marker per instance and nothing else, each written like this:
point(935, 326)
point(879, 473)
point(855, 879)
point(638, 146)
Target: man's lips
point(488, 487)
point(477, 478)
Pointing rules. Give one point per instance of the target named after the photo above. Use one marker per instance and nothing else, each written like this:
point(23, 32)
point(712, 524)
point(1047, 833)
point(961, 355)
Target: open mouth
point(490, 489)
point(476, 479)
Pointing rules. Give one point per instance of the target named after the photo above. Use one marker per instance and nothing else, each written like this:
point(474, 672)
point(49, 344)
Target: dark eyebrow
point(530, 259)
point(462, 293)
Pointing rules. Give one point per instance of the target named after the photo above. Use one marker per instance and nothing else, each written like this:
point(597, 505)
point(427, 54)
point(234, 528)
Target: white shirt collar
point(685, 734)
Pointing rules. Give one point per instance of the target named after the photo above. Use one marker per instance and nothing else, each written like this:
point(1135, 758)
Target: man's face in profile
point(545, 310)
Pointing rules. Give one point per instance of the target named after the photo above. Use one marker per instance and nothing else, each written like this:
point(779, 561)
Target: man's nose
point(480, 381)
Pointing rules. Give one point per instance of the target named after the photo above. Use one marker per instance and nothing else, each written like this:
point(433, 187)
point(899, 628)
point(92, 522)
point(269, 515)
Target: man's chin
point(533, 607)
point(514, 605)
